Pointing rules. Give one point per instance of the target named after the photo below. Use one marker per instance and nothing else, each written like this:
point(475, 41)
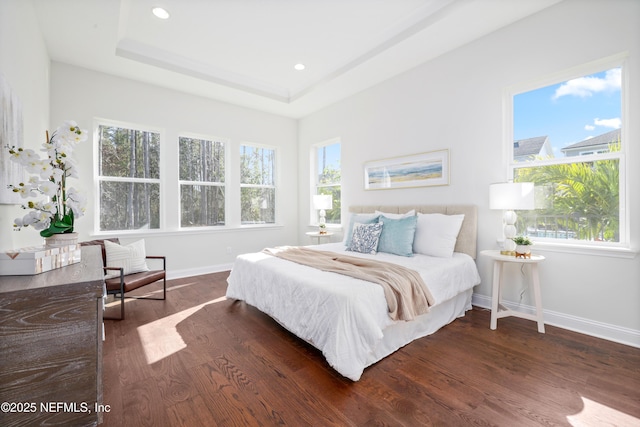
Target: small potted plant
point(322, 228)
point(523, 246)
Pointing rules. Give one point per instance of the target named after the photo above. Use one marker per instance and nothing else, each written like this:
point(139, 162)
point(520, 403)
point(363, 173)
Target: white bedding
point(345, 318)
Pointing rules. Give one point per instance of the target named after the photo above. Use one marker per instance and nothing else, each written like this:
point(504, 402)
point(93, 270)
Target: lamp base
point(504, 252)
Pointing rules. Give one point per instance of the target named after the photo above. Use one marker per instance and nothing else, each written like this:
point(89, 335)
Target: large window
point(328, 179)
point(202, 178)
point(128, 178)
point(257, 185)
point(568, 140)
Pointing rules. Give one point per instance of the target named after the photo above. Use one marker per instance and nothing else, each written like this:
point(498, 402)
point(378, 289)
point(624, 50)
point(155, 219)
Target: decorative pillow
point(436, 234)
point(131, 257)
point(412, 212)
point(361, 219)
point(365, 238)
point(397, 235)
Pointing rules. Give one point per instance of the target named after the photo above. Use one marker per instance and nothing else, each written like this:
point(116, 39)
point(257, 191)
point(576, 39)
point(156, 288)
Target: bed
point(347, 318)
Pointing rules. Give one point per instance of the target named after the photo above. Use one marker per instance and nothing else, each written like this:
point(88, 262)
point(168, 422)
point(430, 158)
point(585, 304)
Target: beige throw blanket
point(406, 293)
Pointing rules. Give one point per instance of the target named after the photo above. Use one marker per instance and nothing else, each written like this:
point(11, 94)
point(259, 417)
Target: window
point(257, 185)
point(328, 178)
point(202, 178)
point(128, 178)
point(568, 140)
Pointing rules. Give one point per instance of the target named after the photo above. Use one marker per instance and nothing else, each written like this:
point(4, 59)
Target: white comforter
point(341, 316)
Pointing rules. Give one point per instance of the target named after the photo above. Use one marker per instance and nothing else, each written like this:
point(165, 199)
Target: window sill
point(567, 248)
point(183, 231)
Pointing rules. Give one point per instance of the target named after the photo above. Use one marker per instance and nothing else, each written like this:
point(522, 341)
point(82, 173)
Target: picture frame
point(11, 135)
point(417, 170)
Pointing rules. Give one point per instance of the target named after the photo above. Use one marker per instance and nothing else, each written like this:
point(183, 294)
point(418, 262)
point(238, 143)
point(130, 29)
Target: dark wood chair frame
point(129, 282)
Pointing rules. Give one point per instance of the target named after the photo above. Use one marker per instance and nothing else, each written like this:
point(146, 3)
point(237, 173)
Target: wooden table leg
point(495, 295)
point(537, 296)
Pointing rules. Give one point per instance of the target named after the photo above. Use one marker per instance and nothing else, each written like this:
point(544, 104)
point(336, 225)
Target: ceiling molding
point(150, 55)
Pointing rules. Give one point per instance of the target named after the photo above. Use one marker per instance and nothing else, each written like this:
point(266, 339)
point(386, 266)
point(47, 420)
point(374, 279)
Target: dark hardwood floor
point(198, 359)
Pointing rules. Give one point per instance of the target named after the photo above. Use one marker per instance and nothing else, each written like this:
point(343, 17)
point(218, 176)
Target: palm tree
point(584, 194)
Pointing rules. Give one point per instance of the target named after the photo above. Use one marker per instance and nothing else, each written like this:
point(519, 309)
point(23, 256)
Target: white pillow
point(132, 258)
point(436, 234)
point(412, 212)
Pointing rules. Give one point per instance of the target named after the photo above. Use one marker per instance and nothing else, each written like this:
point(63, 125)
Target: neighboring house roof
point(531, 147)
point(600, 141)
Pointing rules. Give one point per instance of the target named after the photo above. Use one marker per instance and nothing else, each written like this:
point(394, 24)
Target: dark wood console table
point(51, 345)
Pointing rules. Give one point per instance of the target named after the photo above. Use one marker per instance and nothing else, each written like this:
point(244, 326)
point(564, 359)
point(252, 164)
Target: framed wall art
point(418, 170)
point(10, 135)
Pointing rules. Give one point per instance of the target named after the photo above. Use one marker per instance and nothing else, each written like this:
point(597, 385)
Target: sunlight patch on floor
point(161, 338)
point(595, 414)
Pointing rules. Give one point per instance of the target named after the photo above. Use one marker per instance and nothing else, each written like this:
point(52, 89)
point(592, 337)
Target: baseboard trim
point(188, 272)
point(605, 331)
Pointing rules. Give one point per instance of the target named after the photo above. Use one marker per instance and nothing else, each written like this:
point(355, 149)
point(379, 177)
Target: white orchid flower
point(47, 207)
point(57, 174)
point(48, 188)
point(70, 132)
point(48, 178)
point(24, 191)
point(43, 168)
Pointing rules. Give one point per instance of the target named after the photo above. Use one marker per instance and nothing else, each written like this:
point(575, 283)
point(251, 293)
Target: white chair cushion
point(131, 257)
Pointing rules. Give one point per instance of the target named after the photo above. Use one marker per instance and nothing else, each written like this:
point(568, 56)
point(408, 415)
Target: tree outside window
point(257, 185)
point(129, 178)
point(202, 182)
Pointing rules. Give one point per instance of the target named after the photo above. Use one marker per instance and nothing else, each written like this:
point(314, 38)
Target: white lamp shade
point(512, 196)
point(321, 201)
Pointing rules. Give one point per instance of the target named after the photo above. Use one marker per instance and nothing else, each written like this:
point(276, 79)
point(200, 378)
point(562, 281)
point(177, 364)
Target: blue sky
point(571, 111)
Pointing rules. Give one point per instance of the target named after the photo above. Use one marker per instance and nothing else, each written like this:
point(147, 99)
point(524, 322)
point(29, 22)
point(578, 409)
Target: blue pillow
point(361, 219)
point(397, 235)
point(365, 238)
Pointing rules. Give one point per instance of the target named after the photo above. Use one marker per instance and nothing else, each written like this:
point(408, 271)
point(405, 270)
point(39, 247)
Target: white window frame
point(313, 213)
point(98, 178)
point(276, 159)
point(617, 249)
point(223, 184)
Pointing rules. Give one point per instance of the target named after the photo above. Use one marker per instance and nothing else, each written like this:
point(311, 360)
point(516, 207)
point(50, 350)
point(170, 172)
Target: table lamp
point(322, 202)
point(511, 196)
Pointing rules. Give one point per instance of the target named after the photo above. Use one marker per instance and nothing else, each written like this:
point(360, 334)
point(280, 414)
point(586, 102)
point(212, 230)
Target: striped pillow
point(131, 257)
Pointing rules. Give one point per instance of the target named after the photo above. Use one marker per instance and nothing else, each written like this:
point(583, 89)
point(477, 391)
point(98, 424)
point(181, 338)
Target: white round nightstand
point(318, 235)
point(497, 309)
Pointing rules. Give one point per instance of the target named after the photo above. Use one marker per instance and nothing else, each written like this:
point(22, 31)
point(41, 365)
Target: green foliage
point(201, 162)
point(129, 153)
point(329, 184)
point(522, 240)
point(583, 195)
point(257, 178)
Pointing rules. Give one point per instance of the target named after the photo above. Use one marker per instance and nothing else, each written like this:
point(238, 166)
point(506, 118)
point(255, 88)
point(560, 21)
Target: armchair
point(124, 283)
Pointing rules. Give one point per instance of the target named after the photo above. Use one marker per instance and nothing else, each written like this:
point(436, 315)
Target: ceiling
point(244, 51)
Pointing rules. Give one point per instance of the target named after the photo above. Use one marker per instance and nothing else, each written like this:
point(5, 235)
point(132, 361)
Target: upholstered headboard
point(467, 239)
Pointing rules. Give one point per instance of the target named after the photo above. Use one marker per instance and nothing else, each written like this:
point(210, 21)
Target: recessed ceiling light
point(299, 67)
point(160, 13)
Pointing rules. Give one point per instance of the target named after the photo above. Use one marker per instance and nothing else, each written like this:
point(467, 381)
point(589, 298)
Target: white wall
point(24, 63)
point(82, 95)
point(456, 102)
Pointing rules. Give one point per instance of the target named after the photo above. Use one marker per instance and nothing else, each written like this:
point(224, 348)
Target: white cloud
point(589, 127)
point(586, 86)
point(608, 123)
